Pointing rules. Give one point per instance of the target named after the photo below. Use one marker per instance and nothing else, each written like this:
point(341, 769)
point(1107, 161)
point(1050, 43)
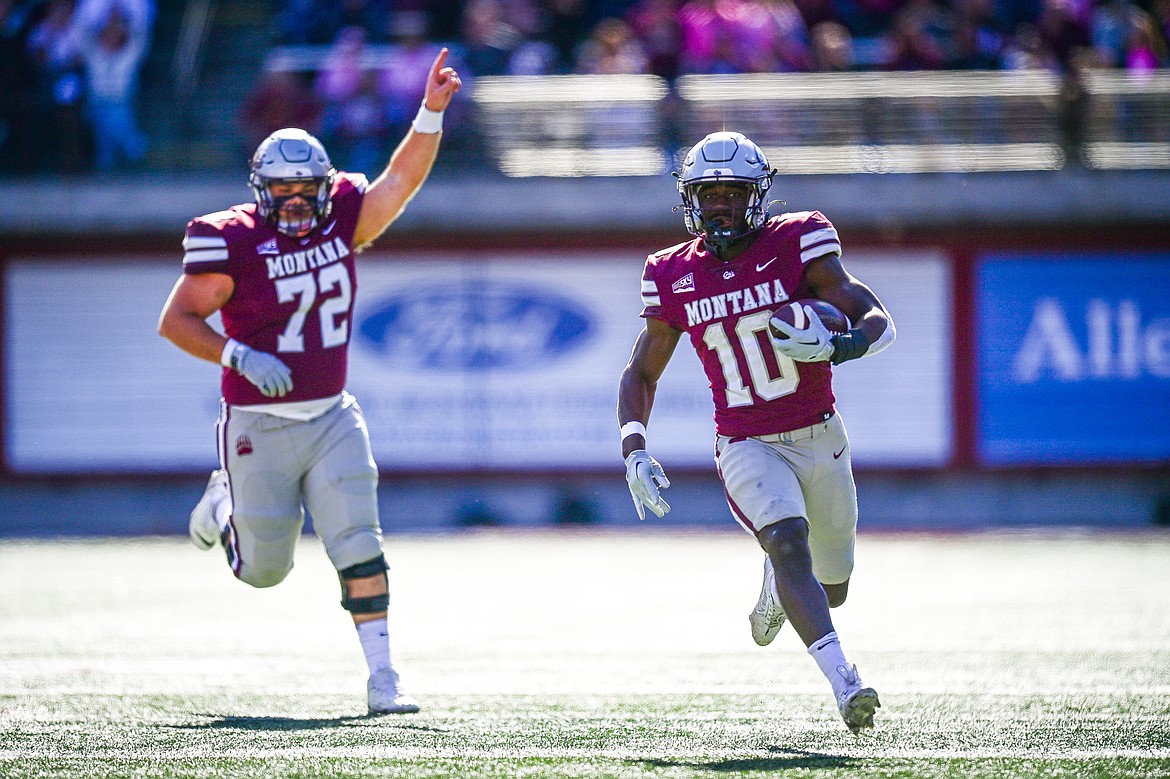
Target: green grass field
point(588, 654)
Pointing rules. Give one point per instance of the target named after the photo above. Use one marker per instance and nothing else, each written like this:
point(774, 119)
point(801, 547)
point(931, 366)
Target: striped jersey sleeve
point(205, 249)
point(820, 238)
point(650, 296)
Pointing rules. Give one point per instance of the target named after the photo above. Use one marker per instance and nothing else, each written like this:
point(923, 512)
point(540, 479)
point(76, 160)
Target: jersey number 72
point(332, 313)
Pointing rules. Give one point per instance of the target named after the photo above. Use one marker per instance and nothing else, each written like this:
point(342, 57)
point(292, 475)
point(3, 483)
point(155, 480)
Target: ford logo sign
point(488, 327)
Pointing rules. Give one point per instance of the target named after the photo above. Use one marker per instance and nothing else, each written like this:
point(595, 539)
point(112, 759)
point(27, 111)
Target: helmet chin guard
point(725, 158)
point(291, 155)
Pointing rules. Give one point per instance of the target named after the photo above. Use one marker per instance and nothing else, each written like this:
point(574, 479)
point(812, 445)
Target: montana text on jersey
point(725, 306)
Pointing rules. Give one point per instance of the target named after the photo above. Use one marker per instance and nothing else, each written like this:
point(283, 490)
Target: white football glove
point(812, 344)
point(644, 476)
point(268, 373)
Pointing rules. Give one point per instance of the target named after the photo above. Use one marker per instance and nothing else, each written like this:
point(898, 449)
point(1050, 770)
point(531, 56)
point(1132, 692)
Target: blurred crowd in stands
point(76, 62)
point(358, 109)
point(674, 37)
point(69, 80)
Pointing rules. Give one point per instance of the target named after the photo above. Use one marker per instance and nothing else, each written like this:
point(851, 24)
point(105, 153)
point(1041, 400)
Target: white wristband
point(633, 428)
point(225, 357)
point(427, 121)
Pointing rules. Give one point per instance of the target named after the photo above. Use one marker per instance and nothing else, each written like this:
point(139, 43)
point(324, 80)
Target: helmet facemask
point(724, 158)
point(292, 156)
point(711, 222)
point(294, 221)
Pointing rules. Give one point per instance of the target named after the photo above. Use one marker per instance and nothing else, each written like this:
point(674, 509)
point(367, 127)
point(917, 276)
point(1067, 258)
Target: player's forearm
point(388, 194)
point(873, 324)
point(411, 162)
point(635, 401)
point(879, 330)
point(193, 335)
point(874, 333)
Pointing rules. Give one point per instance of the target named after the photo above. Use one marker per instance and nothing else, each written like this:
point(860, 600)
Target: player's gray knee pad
point(261, 577)
point(372, 604)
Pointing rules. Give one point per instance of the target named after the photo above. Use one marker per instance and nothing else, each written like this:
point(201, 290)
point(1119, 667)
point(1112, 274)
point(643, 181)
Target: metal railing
point(813, 123)
point(829, 123)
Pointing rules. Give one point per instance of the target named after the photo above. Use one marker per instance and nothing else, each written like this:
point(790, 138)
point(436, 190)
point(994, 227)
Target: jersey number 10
point(748, 331)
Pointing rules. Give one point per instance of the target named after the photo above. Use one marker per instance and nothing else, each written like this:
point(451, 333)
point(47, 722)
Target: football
point(793, 313)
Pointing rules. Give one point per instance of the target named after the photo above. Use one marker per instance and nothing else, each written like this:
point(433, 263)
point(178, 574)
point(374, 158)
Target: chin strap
point(717, 247)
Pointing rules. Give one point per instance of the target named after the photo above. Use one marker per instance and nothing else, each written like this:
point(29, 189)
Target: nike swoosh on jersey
point(837, 456)
point(329, 228)
point(761, 266)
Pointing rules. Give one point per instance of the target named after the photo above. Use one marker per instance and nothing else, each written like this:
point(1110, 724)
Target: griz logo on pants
point(243, 445)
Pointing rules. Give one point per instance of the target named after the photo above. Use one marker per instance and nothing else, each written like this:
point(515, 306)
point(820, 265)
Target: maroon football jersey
point(725, 308)
point(293, 296)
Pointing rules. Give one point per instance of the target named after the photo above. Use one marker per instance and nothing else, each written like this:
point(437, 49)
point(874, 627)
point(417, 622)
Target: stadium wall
point(1030, 382)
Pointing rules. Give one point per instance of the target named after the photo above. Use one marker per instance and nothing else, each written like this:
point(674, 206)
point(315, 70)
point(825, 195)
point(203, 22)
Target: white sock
point(826, 650)
point(375, 638)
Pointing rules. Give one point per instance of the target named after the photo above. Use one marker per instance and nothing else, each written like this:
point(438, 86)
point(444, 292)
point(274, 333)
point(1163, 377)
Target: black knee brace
point(374, 603)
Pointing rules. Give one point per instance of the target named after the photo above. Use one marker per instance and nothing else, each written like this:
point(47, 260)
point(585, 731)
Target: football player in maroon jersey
point(281, 273)
point(780, 449)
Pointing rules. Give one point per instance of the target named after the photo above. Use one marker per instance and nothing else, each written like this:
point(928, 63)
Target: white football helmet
point(724, 157)
point(288, 155)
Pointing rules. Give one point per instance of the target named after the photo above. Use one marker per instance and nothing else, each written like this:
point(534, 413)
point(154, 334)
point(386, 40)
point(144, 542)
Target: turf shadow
point(235, 722)
point(790, 759)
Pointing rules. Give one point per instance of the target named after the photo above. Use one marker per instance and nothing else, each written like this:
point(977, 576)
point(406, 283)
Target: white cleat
point(203, 528)
point(856, 703)
point(768, 617)
point(386, 696)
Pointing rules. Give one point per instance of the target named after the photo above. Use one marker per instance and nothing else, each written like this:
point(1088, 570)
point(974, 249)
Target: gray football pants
point(278, 467)
point(803, 473)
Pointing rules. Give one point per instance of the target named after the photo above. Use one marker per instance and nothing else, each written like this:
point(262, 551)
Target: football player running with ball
point(780, 447)
point(281, 273)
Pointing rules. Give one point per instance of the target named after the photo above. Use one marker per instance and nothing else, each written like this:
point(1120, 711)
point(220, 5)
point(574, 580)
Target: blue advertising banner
point(1073, 358)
